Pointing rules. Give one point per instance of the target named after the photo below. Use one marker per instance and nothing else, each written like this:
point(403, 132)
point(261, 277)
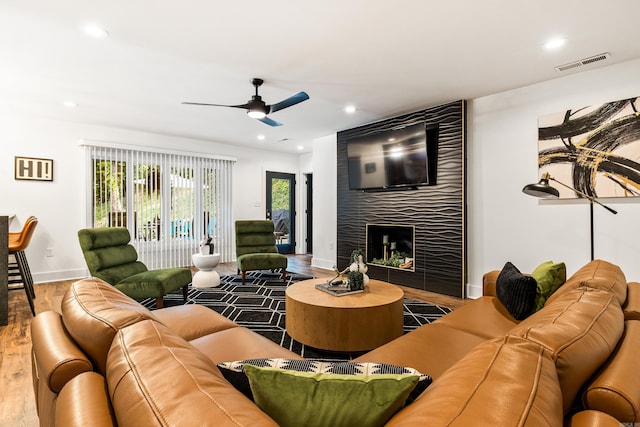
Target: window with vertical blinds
point(168, 202)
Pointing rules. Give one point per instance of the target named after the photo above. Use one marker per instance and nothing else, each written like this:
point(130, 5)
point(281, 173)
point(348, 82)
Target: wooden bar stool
point(15, 277)
point(18, 242)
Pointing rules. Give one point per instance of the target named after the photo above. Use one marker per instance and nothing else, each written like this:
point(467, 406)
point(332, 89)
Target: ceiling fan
point(258, 109)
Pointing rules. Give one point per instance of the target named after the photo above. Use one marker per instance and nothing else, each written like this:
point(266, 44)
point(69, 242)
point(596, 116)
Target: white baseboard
point(56, 276)
point(474, 291)
point(322, 263)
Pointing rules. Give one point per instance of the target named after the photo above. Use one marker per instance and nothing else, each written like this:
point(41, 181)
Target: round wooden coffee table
point(357, 322)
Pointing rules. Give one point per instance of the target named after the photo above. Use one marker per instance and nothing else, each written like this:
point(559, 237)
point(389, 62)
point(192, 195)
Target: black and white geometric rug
point(260, 306)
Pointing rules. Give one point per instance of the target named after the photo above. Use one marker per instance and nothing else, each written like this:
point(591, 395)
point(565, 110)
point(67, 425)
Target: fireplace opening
point(391, 246)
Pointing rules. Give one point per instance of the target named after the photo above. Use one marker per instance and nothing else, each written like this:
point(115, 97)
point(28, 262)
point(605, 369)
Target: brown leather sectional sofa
point(108, 361)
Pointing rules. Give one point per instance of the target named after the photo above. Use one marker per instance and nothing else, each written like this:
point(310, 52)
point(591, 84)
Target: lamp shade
point(542, 189)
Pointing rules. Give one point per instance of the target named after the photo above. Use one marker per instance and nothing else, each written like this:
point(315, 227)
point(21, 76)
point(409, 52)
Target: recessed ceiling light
point(70, 104)
point(350, 109)
point(96, 31)
point(261, 137)
point(555, 43)
point(300, 147)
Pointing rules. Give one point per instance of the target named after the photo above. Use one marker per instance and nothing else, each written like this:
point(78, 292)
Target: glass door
point(280, 209)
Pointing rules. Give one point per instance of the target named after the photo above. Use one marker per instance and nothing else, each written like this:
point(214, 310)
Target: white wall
point(60, 205)
point(503, 223)
point(325, 184)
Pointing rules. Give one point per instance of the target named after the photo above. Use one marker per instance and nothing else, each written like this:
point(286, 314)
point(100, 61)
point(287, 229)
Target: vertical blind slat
point(166, 221)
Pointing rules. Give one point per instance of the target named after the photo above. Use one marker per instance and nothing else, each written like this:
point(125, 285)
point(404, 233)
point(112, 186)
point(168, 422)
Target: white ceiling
point(385, 57)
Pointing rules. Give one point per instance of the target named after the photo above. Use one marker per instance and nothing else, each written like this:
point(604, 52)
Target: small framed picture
point(34, 169)
point(370, 167)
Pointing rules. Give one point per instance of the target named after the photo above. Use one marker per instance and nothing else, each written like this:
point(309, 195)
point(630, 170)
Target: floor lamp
point(543, 190)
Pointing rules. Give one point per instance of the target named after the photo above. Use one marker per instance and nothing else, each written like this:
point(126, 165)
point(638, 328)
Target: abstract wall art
point(595, 150)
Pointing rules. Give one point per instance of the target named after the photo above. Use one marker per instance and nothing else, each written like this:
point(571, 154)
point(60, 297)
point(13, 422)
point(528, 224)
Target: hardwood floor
point(17, 402)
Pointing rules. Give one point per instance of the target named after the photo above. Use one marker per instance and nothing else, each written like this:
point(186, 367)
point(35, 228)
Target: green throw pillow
point(550, 277)
point(296, 399)
point(234, 371)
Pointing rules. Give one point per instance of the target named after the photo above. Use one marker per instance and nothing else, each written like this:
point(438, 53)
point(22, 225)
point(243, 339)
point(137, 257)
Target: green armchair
point(111, 258)
point(256, 248)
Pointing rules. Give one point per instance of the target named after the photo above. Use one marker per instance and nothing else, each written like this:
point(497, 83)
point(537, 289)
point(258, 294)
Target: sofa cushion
point(295, 399)
point(490, 318)
point(416, 349)
point(616, 388)
point(549, 277)
point(596, 274)
point(579, 329)
point(516, 291)
point(93, 311)
point(157, 378)
point(235, 374)
point(503, 381)
point(192, 321)
point(239, 344)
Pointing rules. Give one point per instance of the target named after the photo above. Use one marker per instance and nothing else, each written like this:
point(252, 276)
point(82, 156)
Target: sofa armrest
point(56, 357)
point(84, 402)
point(593, 419)
point(489, 283)
point(616, 388)
point(632, 304)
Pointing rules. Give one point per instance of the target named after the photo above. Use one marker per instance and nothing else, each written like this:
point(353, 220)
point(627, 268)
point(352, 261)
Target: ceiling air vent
point(582, 62)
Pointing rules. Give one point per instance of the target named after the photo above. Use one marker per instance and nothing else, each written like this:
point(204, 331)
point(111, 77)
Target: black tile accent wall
point(437, 212)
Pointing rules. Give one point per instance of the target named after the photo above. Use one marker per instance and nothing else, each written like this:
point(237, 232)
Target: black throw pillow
point(516, 291)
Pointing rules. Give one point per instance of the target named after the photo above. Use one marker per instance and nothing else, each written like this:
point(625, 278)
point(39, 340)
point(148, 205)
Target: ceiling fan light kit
point(258, 109)
point(256, 114)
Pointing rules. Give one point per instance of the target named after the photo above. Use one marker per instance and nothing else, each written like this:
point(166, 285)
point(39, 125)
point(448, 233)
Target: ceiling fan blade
point(269, 121)
point(245, 106)
point(292, 100)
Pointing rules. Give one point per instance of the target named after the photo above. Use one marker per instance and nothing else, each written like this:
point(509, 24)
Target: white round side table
point(206, 276)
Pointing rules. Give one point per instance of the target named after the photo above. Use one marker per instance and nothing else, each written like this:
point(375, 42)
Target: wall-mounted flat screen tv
point(395, 158)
